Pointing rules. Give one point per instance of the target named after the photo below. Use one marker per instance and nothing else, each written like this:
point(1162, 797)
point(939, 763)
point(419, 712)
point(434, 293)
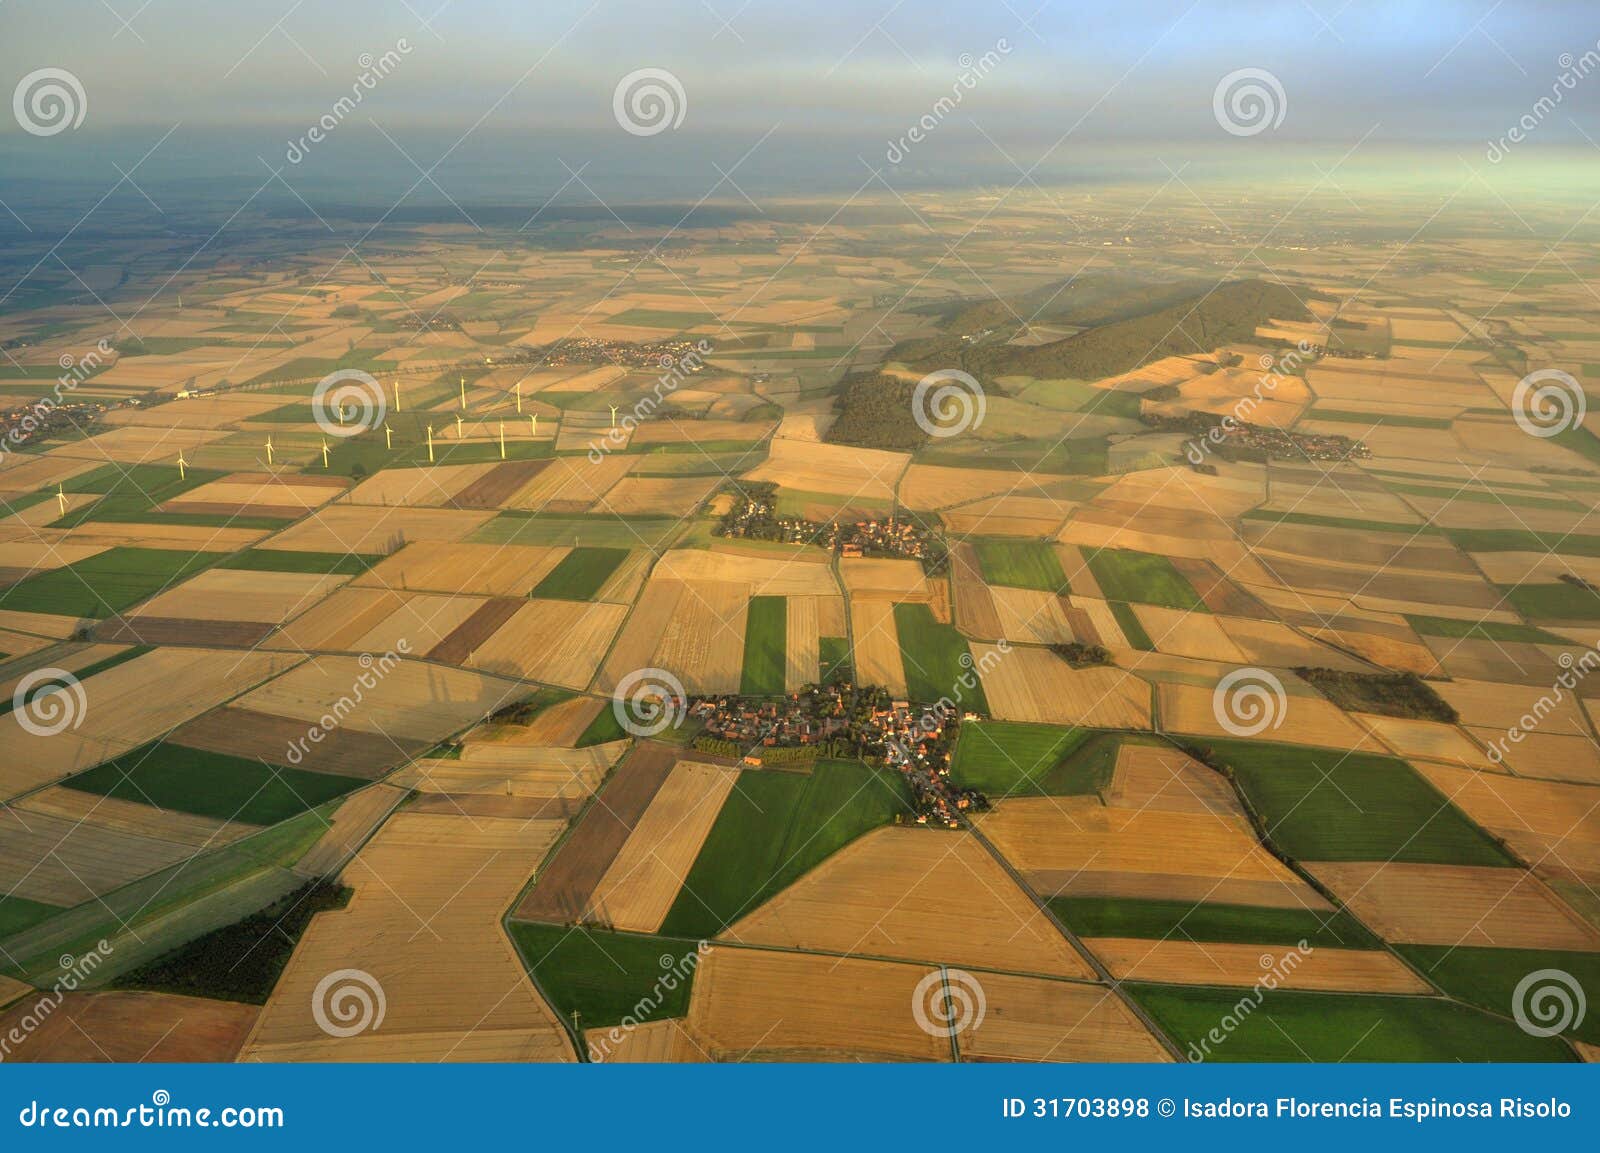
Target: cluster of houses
point(754, 516)
point(844, 720)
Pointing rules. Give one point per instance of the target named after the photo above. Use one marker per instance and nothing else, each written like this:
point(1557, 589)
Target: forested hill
point(1196, 324)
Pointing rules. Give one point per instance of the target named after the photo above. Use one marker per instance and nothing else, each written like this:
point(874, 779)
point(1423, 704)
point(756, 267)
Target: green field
point(1489, 977)
point(1523, 540)
point(1337, 1027)
point(1007, 759)
point(774, 827)
point(937, 661)
point(765, 644)
point(605, 976)
point(1324, 805)
point(601, 531)
point(131, 494)
point(1188, 921)
point(1025, 564)
point(288, 560)
point(604, 729)
point(1555, 602)
point(211, 784)
point(105, 584)
point(834, 656)
point(581, 574)
point(17, 914)
point(661, 318)
point(241, 961)
point(1142, 577)
point(1456, 629)
point(1132, 628)
point(1316, 520)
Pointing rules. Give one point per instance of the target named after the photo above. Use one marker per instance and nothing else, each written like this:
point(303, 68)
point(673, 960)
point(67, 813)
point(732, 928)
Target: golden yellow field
point(1035, 685)
point(1306, 720)
point(638, 889)
point(1074, 845)
point(409, 699)
point(753, 1005)
point(130, 704)
point(876, 645)
point(1162, 778)
point(856, 473)
point(914, 894)
point(1028, 1019)
point(1457, 905)
point(424, 926)
point(557, 642)
point(1029, 616)
point(1210, 963)
point(240, 595)
point(806, 574)
point(487, 570)
point(344, 528)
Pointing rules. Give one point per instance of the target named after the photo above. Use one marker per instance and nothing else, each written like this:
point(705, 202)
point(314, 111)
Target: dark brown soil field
point(182, 631)
point(496, 486)
point(132, 1027)
point(245, 733)
point(565, 885)
point(476, 629)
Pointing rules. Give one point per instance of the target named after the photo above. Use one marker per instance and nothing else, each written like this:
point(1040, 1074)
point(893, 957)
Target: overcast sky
point(841, 79)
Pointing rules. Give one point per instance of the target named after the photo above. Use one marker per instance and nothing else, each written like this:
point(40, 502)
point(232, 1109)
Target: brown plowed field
point(565, 885)
point(464, 640)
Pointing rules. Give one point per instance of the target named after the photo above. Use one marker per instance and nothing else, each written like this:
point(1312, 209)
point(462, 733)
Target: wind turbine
point(324, 452)
point(430, 444)
point(397, 394)
point(502, 440)
point(388, 437)
point(269, 450)
point(61, 499)
point(183, 466)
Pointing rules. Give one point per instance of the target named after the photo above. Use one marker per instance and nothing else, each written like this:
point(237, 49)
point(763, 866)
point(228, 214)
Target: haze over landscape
point(700, 531)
